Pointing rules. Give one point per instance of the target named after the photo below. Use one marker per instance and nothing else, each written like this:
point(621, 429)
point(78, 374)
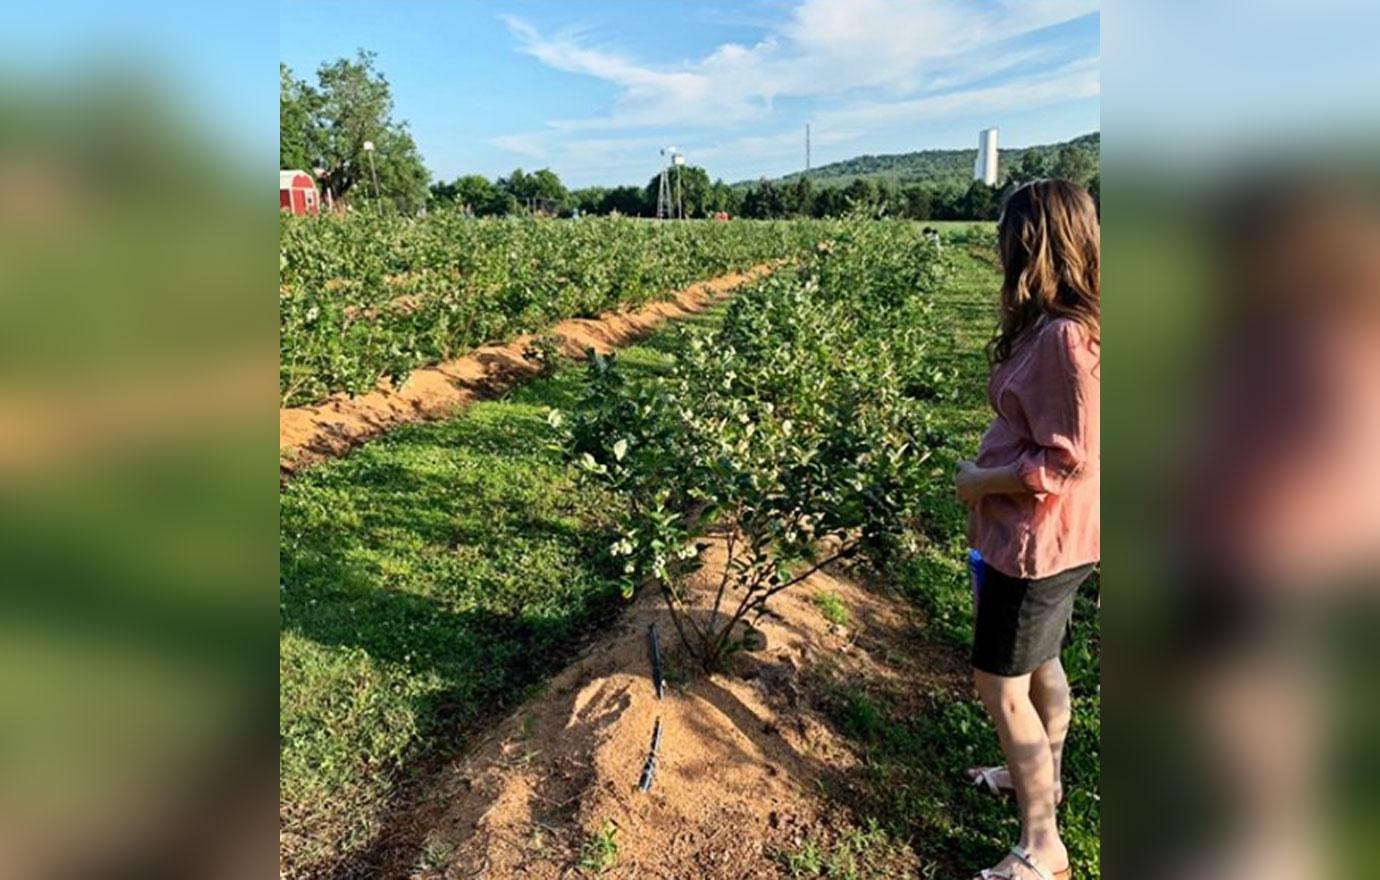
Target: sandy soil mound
point(741, 757)
point(307, 434)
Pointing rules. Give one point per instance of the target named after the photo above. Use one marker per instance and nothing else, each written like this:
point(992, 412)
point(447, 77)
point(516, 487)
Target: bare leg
point(1049, 691)
point(1030, 762)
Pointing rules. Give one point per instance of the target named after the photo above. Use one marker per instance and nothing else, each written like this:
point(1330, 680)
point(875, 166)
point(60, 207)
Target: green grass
point(436, 574)
point(832, 607)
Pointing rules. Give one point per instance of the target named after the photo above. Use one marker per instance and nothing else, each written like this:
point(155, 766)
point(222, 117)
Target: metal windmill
point(670, 207)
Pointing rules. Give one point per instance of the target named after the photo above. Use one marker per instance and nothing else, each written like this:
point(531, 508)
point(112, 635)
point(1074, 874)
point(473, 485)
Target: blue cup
point(978, 569)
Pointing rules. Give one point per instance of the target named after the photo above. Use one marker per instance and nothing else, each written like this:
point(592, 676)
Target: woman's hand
point(973, 482)
point(969, 483)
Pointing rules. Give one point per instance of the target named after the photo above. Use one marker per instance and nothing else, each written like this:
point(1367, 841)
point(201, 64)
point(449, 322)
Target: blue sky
point(593, 89)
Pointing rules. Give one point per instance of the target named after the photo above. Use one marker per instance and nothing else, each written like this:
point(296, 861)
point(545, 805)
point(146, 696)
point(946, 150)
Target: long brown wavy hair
point(1050, 246)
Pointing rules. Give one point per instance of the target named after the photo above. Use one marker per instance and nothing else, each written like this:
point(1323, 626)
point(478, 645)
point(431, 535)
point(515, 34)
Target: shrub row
point(362, 297)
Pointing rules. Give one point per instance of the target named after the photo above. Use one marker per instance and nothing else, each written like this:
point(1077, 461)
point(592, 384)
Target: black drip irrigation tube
point(657, 679)
point(649, 768)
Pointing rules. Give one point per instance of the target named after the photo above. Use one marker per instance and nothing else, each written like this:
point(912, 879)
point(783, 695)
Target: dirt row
point(308, 434)
point(742, 759)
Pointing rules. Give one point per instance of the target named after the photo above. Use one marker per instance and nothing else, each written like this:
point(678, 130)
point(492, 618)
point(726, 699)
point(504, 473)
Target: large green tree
point(587, 199)
point(916, 202)
point(1031, 167)
point(629, 201)
point(980, 202)
point(830, 202)
point(860, 195)
point(764, 201)
point(947, 203)
point(541, 190)
point(694, 188)
point(298, 104)
point(1075, 163)
point(800, 197)
point(327, 126)
point(723, 197)
point(476, 194)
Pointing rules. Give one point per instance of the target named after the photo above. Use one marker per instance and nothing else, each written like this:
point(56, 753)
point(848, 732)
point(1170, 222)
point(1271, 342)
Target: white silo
point(986, 167)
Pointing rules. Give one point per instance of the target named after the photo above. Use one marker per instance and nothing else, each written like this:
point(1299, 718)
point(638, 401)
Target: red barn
point(297, 193)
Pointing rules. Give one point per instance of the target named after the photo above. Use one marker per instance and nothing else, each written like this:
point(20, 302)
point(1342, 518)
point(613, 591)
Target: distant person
point(932, 235)
point(1033, 496)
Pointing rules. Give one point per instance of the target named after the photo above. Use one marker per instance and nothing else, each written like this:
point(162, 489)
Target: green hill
point(936, 167)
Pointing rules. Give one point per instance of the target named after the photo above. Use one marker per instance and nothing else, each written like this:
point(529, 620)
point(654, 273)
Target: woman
point(1032, 495)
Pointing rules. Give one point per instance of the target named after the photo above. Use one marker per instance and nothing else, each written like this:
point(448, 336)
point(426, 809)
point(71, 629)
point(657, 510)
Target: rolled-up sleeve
point(1054, 395)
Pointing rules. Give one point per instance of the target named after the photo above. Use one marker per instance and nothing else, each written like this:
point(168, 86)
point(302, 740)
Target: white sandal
point(980, 776)
point(1025, 858)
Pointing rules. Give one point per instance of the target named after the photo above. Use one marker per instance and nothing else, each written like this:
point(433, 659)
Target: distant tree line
point(324, 127)
point(542, 191)
point(943, 167)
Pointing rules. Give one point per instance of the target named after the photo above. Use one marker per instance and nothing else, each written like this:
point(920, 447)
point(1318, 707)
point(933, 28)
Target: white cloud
point(523, 144)
point(826, 47)
point(865, 63)
point(641, 85)
point(1074, 81)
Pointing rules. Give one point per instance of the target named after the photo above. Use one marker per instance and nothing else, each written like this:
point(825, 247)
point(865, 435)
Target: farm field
point(365, 297)
point(437, 580)
point(307, 434)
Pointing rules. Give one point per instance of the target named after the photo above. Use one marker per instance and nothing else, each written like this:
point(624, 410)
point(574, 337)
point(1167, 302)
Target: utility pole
point(680, 198)
point(369, 148)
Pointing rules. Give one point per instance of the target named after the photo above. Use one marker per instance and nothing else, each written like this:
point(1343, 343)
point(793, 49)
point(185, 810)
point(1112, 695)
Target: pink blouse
point(1046, 396)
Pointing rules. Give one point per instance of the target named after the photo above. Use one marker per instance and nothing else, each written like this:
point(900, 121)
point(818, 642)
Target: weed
point(600, 850)
point(857, 854)
point(860, 716)
point(436, 854)
point(832, 607)
point(675, 674)
point(806, 861)
point(544, 352)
